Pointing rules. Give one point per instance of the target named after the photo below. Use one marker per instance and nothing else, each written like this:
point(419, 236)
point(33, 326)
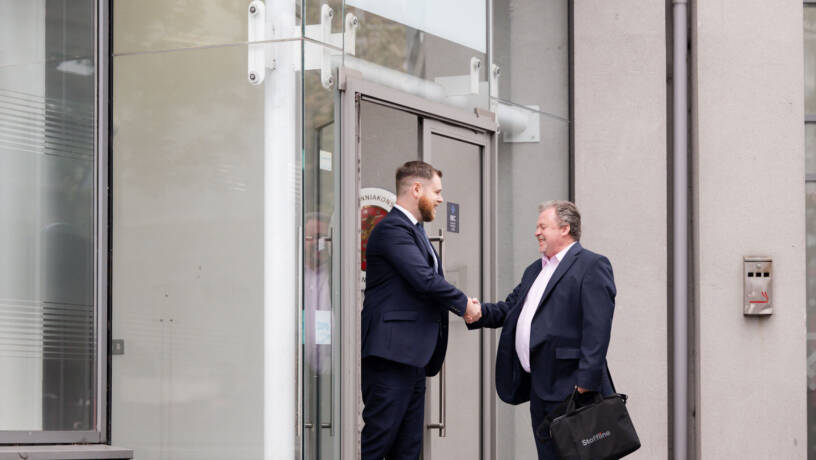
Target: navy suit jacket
point(405, 310)
point(569, 334)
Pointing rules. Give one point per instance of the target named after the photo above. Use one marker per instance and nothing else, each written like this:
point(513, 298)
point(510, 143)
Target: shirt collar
point(558, 257)
point(407, 213)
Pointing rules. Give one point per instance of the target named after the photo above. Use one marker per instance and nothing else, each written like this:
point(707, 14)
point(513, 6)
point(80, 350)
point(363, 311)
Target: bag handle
point(622, 396)
point(610, 377)
point(596, 396)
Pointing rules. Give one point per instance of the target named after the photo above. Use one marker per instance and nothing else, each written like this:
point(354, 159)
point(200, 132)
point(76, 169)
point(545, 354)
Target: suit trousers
point(538, 412)
point(393, 417)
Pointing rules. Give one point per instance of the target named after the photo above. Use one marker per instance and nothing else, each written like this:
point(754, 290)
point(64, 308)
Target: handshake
point(473, 310)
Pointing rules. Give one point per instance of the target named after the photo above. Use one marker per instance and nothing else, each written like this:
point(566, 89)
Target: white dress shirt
point(525, 321)
point(407, 213)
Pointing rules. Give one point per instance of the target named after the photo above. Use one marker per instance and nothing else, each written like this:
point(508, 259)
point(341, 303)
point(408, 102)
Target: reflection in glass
point(312, 13)
point(47, 316)
point(442, 66)
point(458, 21)
point(321, 353)
point(156, 25)
point(188, 286)
point(531, 46)
point(810, 206)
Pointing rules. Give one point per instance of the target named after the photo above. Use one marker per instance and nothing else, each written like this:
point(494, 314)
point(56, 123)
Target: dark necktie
point(428, 246)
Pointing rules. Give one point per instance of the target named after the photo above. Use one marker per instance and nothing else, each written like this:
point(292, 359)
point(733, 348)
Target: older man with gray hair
point(556, 322)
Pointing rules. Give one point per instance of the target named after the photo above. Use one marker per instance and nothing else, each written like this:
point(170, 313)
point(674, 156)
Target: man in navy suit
point(556, 322)
point(404, 318)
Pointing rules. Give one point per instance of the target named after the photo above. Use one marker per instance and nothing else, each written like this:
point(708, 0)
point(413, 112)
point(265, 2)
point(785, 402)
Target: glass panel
point(426, 64)
point(388, 138)
point(47, 241)
point(810, 148)
point(531, 46)
point(810, 59)
point(529, 173)
point(810, 204)
point(188, 271)
point(321, 315)
point(459, 21)
point(152, 25)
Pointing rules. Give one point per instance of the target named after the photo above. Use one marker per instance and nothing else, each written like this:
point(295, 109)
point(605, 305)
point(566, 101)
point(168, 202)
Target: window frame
point(101, 272)
point(809, 120)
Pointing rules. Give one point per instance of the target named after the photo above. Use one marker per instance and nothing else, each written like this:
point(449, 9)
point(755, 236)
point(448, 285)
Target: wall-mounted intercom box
point(757, 298)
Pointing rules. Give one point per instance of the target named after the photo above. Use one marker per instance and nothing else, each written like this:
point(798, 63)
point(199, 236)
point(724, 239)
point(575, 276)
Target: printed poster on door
point(375, 204)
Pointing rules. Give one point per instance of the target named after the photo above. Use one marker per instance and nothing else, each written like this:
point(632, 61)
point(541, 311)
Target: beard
point(427, 209)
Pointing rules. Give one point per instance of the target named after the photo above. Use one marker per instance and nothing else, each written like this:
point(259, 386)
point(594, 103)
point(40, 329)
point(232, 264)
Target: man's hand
point(473, 312)
point(581, 390)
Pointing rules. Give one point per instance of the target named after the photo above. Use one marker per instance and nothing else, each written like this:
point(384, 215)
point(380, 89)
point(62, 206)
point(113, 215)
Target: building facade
point(187, 188)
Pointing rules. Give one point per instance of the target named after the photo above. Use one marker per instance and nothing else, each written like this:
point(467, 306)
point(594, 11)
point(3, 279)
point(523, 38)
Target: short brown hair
point(412, 170)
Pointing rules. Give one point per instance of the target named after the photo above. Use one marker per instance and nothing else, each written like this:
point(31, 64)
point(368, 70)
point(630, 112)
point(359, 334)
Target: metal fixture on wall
point(757, 285)
point(259, 53)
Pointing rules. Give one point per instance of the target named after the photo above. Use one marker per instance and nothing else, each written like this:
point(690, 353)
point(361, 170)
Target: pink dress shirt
point(525, 321)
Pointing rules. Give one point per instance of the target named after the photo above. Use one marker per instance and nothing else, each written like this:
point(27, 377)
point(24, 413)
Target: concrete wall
point(620, 188)
point(749, 195)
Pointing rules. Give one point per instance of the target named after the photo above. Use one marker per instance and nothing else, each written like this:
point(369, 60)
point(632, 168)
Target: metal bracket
point(326, 15)
point(326, 59)
point(475, 65)
point(350, 38)
point(495, 73)
point(256, 61)
point(313, 60)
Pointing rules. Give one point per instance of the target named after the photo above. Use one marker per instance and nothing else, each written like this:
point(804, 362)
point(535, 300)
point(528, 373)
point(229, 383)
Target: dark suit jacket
point(569, 334)
point(405, 311)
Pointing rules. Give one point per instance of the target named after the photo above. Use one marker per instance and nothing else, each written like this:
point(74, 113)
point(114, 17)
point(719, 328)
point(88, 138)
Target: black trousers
point(538, 411)
point(393, 417)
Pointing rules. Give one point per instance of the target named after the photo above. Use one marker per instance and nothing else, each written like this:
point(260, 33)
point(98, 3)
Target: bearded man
point(404, 317)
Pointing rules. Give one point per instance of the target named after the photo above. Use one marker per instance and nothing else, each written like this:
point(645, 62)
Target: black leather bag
point(600, 429)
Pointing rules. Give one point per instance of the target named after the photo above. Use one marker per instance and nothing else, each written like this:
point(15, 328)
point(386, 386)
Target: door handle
point(443, 388)
point(321, 241)
point(329, 241)
point(440, 238)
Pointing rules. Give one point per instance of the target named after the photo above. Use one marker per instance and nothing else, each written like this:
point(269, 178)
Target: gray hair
point(567, 214)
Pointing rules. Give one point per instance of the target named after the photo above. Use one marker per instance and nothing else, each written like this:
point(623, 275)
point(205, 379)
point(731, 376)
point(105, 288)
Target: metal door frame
point(352, 89)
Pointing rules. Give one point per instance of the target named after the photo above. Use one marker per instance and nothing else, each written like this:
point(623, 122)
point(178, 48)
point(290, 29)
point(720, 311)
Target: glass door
point(454, 409)
point(320, 386)
point(382, 129)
